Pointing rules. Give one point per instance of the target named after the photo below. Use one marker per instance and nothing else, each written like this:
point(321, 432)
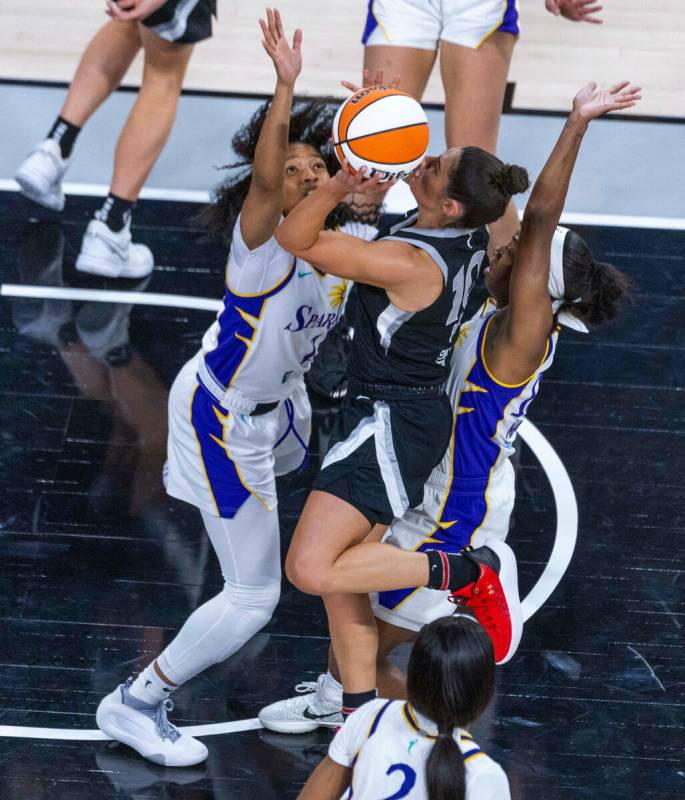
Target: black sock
point(64, 133)
point(115, 212)
point(354, 700)
point(450, 570)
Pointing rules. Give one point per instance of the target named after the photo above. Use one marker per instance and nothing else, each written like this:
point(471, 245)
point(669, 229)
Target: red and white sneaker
point(494, 597)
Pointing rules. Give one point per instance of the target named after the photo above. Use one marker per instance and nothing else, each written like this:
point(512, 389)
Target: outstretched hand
point(575, 10)
point(591, 102)
point(369, 81)
point(287, 60)
point(132, 10)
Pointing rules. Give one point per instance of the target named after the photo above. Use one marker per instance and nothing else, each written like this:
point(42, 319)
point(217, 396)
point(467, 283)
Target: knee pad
point(258, 602)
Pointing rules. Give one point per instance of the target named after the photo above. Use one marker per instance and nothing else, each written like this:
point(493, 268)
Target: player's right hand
point(287, 60)
point(575, 10)
point(592, 102)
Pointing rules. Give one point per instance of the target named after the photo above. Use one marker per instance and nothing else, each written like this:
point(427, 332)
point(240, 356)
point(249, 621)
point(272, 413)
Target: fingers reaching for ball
point(361, 181)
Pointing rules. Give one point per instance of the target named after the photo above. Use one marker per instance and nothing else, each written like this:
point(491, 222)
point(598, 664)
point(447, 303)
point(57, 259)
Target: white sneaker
point(113, 255)
point(40, 175)
point(149, 733)
point(313, 707)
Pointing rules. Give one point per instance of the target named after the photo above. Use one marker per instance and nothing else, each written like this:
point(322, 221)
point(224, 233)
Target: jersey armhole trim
point(267, 292)
point(492, 377)
point(427, 248)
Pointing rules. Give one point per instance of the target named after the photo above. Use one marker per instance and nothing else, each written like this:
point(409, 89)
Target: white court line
point(75, 735)
point(105, 296)
point(562, 489)
point(102, 190)
point(567, 519)
point(397, 202)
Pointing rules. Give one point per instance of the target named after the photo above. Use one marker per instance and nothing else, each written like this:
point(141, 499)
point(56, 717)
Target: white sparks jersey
point(277, 310)
point(387, 744)
point(487, 415)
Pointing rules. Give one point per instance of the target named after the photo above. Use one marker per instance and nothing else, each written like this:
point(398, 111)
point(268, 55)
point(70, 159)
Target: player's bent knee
point(257, 602)
point(304, 574)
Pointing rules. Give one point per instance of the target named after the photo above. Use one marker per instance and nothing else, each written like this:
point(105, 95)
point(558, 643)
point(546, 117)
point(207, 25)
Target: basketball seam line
point(376, 133)
point(368, 105)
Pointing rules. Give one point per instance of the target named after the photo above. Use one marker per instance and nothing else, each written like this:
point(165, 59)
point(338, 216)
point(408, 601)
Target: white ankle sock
point(150, 687)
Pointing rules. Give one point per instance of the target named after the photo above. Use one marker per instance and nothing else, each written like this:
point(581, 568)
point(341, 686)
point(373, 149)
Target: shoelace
point(306, 687)
point(165, 728)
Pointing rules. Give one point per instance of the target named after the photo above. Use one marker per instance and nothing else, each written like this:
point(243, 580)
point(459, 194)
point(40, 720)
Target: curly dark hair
point(601, 288)
point(311, 120)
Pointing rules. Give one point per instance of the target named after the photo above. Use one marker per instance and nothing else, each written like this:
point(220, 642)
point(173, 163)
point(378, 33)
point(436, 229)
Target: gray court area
point(625, 167)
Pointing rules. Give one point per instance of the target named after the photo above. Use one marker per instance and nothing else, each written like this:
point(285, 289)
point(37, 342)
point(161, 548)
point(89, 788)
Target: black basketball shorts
point(383, 451)
point(183, 21)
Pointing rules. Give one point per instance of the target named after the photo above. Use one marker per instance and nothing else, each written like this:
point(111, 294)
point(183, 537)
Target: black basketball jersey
point(406, 348)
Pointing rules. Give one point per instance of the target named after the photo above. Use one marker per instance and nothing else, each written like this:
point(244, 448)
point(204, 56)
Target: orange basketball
point(384, 130)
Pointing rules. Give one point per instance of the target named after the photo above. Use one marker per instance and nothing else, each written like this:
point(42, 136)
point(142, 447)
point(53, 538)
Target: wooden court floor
point(643, 42)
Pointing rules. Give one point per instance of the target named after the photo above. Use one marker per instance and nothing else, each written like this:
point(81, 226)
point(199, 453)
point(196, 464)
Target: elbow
point(291, 241)
point(539, 215)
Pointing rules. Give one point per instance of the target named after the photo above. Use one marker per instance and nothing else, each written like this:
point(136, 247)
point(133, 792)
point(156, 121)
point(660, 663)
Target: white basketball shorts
point(423, 23)
point(480, 515)
point(217, 459)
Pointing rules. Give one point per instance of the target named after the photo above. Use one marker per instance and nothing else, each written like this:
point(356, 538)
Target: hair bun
point(511, 179)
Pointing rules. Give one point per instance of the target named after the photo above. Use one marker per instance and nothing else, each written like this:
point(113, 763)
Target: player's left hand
point(576, 10)
point(131, 10)
point(592, 102)
point(369, 81)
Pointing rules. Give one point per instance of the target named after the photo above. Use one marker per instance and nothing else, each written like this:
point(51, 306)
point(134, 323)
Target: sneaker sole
point(509, 579)
point(28, 189)
point(98, 266)
point(295, 726)
point(106, 722)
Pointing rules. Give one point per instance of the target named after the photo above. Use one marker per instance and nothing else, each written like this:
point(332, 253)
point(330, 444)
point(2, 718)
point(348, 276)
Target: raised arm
point(528, 320)
point(263, 205)
point(409, 275)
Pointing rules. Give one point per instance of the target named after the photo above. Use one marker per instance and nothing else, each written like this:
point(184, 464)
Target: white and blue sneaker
point(146, 729)
point(40, 175)
point(316, 705)
point(113, 254)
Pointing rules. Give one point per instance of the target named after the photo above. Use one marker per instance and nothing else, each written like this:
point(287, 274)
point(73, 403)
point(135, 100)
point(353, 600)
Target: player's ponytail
point(450, 680)
point(445, 773)
point(483, 185)
point(599, 289)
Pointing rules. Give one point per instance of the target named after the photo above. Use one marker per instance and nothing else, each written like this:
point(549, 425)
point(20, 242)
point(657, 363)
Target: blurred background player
point(475, 39)
point(544, 278)
point(167, 33)
point(420, 748)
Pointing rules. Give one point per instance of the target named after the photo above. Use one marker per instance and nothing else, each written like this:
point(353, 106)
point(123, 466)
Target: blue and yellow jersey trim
point(474, 451)
point(266, 292)
point(505, 5)
point(410, 719)
point(484, 362)
point(412, 722)
point(238, 326)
